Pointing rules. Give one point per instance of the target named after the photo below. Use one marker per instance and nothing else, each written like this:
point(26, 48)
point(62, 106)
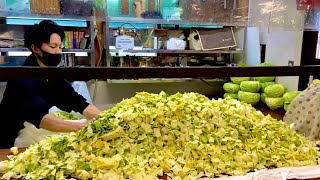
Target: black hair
point(41, 33)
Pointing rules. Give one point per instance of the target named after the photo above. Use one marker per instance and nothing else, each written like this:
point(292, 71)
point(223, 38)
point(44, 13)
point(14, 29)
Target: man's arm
point(91, 112)
point(55, 124)
point(52, 123)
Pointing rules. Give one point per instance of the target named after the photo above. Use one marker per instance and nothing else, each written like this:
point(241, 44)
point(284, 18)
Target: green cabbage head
point(286, 106)
point(316, 81)
point(231, 88)
point(275, 90)
point(265, 84)
point(263, 97)
point(275, 103)
point(289, 96)
point(232, 95)
point(250, 86)
point(248, 97)
point(238, 80)
point(265, 79)
point(267, 63)
point(268, 78)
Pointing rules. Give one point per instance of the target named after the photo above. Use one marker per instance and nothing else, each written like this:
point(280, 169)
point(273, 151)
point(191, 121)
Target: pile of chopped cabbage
point(184, 136)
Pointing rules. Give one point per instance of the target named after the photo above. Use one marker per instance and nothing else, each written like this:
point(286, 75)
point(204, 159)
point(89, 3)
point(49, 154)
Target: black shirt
point(30, 100)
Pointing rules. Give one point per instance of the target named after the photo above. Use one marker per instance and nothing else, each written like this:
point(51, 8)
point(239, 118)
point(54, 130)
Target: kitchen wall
point(284, 46)
point(281, 29)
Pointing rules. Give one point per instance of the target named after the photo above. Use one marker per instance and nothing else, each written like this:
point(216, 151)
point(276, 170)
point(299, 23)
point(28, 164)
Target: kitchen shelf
point(175, 22)
point(87, 73)
point(161, 51)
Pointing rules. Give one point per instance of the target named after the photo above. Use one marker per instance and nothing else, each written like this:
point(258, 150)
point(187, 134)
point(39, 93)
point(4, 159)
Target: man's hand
point(91, 112)
point(91, 120)
point(55, 124)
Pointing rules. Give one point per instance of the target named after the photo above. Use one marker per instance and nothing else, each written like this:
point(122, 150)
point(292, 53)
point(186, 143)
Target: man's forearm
point(91, 112)
point(52, 123)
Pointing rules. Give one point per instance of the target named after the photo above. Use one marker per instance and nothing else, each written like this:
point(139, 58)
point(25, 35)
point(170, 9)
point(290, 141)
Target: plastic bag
point(306, 172)
point(304, 112)
point(30, 134)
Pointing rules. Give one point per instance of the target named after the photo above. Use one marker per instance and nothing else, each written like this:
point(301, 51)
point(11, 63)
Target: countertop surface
point(4, 153)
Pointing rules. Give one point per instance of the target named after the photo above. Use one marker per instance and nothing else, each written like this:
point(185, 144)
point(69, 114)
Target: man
point(30, 100)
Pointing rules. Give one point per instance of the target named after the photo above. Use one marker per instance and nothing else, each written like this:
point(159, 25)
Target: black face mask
point(49, 59)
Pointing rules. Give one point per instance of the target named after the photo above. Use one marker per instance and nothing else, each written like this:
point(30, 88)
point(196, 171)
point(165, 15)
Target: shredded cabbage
point(186, 136)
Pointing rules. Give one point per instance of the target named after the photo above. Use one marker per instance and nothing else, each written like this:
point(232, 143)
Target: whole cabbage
point(289, 96)
point(275, 90)
point(264, 79)
point(248, 97)
point(238, 80)
point(250, 86)
point(265, 84)
point(263, 97)
point(275, 103)
point(231, 88)
point(267, 63)
point(232, 95)
point(286, 106)
point(316, 81)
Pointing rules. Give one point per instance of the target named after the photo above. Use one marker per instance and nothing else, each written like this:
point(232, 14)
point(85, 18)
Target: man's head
point(44, 40)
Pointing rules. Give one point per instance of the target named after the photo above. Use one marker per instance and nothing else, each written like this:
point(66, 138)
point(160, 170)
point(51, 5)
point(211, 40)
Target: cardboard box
point(45, 6)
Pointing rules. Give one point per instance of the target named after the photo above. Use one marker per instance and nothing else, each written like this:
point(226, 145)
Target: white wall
point(284, 46)
point(281, 31)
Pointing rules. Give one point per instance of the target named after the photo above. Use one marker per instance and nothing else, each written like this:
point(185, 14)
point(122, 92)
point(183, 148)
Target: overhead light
point(80, 54)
